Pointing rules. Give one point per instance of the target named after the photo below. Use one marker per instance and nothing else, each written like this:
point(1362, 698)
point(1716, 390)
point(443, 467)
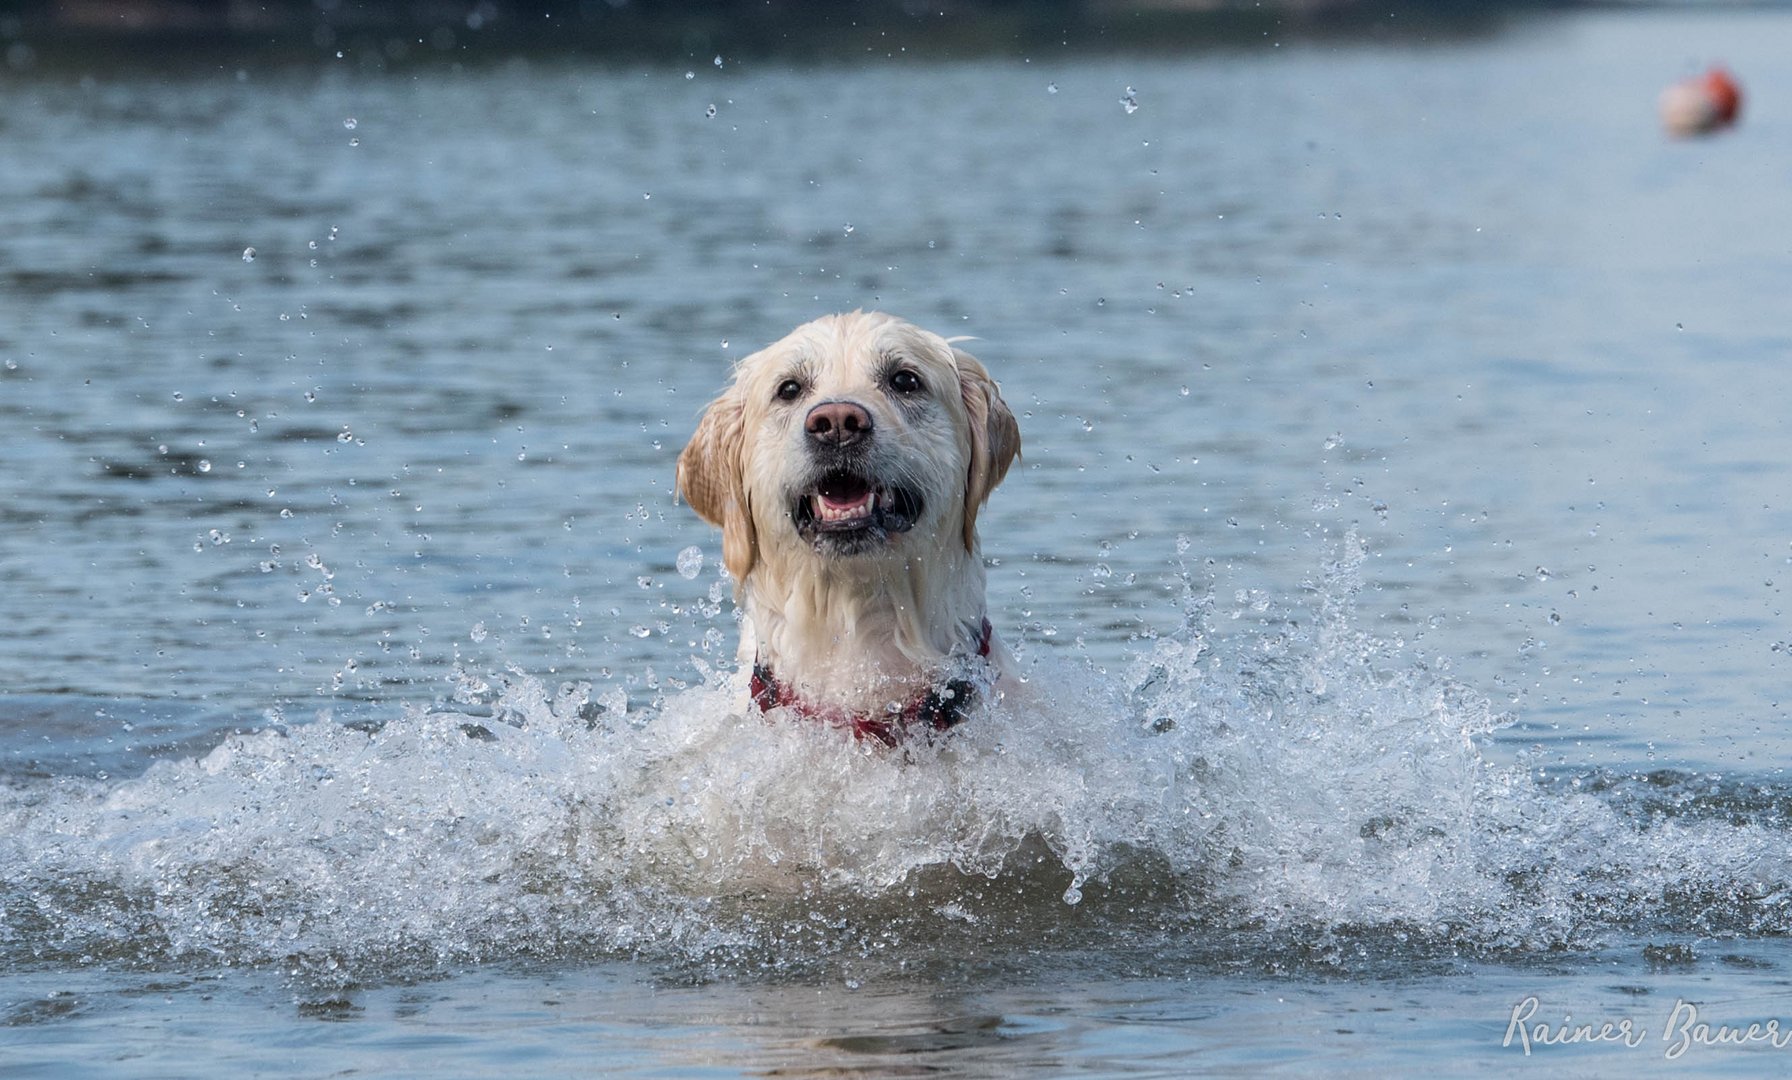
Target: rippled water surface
point(1397, 561)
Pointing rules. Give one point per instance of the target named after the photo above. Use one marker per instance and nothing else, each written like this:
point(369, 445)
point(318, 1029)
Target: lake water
point(1402, 541)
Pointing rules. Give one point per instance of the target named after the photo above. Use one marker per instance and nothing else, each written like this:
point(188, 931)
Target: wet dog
point(846, 465)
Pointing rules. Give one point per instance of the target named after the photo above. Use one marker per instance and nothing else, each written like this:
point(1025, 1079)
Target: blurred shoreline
point(380, 35)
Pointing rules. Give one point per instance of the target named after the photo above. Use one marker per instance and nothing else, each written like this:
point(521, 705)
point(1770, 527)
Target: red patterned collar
point(938, 709)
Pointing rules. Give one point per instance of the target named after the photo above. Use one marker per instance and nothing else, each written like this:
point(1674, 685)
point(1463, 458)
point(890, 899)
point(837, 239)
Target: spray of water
point(1308, 789)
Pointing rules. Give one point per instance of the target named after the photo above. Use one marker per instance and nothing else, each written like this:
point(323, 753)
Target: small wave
point(1305, 790)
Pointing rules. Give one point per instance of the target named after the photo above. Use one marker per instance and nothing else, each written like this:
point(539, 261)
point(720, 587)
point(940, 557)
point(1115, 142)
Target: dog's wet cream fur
point(860, 629)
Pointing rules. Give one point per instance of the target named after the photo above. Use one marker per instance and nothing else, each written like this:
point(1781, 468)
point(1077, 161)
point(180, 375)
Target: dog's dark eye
point(905, 382)
point(789, 390)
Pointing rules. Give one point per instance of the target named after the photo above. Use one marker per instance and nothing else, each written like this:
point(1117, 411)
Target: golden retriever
point(845, 466)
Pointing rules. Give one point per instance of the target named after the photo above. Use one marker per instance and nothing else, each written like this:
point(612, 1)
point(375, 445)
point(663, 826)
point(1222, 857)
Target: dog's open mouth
point(845, 506)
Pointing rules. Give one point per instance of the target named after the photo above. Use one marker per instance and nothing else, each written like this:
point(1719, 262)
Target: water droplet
point(1051, 88)
point(690, 562)
point(178, 396)
point(204, 465)
point(1130, 101)
point(248, 254)
point(477, 633)
point(351, 123)
point(718, 61)
point(639, 631)
point(690, 75)
point(711, 111)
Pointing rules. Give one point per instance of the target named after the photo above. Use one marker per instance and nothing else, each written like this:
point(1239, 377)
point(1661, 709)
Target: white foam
point(1306, 781)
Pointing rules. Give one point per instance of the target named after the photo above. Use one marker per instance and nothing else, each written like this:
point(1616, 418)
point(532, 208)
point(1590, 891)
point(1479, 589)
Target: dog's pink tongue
point(835, 503)
point(844, 497)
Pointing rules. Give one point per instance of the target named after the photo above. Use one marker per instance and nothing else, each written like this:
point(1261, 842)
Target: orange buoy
point(1703, 104)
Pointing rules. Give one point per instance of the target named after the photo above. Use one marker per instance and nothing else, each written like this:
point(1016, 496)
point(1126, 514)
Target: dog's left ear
point(995, 438)
point(711, 477)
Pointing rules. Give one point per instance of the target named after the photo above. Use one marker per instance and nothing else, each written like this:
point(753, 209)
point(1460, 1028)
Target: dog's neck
point(940, 708)
point(855, 634)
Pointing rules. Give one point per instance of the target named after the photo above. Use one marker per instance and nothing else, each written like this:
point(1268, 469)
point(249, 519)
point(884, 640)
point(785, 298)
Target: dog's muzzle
point(848, 509)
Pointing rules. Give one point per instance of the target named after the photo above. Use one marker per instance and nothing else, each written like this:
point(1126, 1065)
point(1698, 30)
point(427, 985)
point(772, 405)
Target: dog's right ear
point(712, 478)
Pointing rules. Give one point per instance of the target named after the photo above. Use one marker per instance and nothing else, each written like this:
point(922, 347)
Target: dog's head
point(856, 437)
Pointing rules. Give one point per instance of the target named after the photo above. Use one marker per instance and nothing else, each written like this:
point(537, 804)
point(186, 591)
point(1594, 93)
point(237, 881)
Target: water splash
point(1306, 789)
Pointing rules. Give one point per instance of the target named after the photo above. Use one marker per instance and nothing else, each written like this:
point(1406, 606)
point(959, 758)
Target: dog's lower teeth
point(864, 507)
point(845, 510)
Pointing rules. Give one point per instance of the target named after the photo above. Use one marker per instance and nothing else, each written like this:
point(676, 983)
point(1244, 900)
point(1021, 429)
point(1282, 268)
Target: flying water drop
point(690, 562)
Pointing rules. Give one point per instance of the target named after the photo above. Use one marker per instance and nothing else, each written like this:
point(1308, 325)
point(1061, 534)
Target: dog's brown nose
point(838, 423)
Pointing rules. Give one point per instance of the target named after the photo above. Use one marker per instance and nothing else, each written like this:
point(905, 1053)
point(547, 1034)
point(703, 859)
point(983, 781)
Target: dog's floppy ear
point(711, 476)
point(995, 438)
